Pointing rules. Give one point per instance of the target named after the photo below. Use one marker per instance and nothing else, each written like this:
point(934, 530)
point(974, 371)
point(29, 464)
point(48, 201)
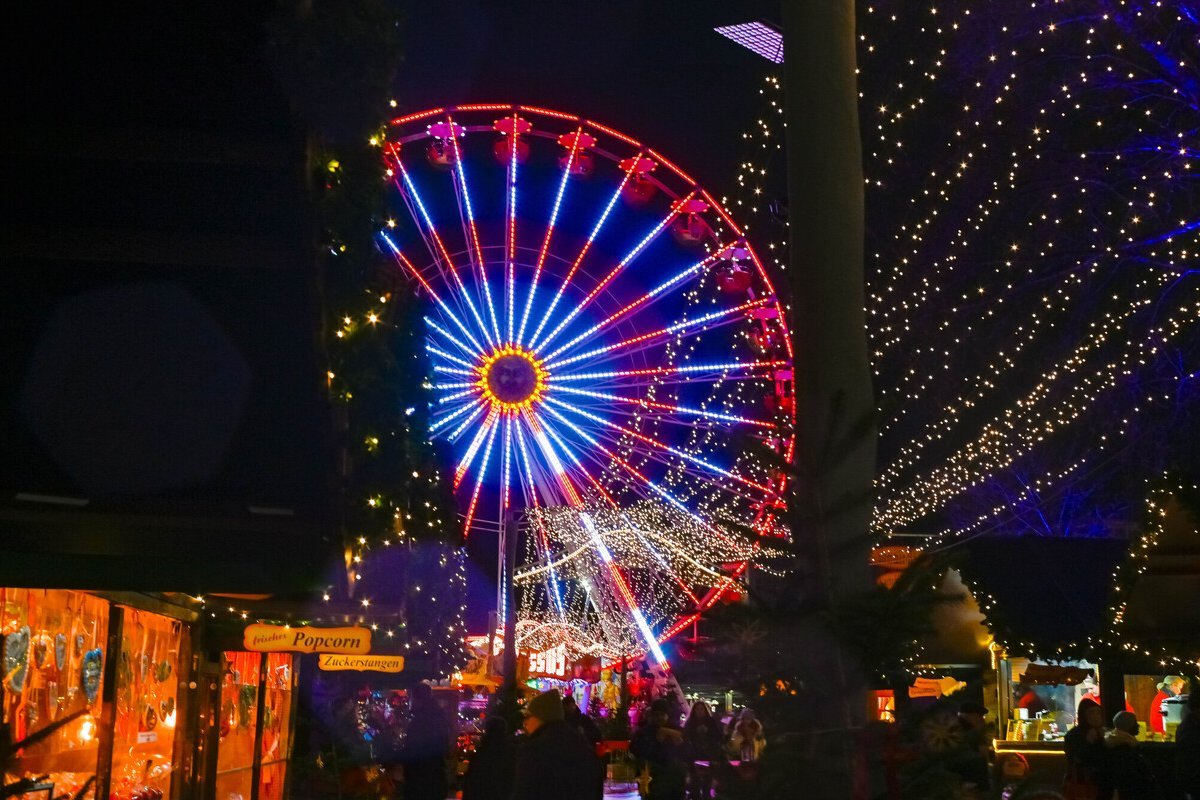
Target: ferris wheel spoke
point(645, 338)
point(506, 469)
point(700, 370)
point(613, 273)
point(552, 460)
point(438, 301)
point(636, 305)
point(641, 437)
point(510, 250)
point(647, 482)
point(466, 350)
point(434, 350)
point(469, 456)
point(472, 230)
point(449, 416)
point(612, 201)
point(483, 465)
point(541, 259)
point(574, 458)
point(409, 189)
point(668, 407)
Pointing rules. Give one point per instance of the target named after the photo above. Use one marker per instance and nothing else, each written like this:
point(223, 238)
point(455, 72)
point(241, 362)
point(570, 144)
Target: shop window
point(147, 698)
point(882, 706)
point(238, 724)
point(1158, 702)
point(1044, 698)
point(276, 725)
point(53, 655)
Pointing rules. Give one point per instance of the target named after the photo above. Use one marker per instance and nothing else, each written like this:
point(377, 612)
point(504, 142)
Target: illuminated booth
point(105, 679)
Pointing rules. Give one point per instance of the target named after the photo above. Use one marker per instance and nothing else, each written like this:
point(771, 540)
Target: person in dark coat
point(972, 763)
point(1187, 747)
point(703, 740)
point(427, 744)
point(659, 743)
point(555, 762)
point(577, 719)
point(1126, 774)
point(492, 768)
point(1084, 745)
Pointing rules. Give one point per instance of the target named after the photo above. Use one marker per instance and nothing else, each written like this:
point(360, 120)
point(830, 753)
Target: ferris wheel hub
point(512, 378)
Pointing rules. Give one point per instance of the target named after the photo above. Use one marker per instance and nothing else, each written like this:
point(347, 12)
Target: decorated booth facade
point(103, 685)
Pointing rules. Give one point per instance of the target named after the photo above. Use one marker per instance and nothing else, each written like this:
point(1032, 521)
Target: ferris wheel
point(610, 358)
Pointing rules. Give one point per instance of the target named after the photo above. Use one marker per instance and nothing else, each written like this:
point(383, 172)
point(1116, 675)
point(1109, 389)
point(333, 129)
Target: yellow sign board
point(259, 638)
point(934, 687)
point(330, 661)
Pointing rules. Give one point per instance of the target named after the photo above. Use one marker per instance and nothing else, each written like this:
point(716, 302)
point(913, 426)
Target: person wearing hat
point(1170, 686)
point(658, 742)
point(1126, 773)
point(555, 762)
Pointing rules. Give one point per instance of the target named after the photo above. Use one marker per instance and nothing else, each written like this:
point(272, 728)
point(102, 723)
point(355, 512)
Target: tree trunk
point(835, 456)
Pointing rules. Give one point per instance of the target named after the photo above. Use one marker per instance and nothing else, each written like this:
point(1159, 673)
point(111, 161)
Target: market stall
point(109, 675)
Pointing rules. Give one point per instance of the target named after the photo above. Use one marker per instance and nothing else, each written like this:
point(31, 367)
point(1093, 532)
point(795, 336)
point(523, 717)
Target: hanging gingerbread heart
point(90, 672)
point(16, 659)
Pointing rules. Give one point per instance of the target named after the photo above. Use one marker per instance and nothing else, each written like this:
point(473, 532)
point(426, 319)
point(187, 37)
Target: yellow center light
point(511, 378)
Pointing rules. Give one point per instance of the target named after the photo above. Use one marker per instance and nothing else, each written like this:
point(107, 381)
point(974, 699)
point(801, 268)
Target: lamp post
point(507, 609)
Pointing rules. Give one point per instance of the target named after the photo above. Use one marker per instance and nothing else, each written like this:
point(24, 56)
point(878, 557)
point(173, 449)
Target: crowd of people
point(557, 755)
point(1106, 763)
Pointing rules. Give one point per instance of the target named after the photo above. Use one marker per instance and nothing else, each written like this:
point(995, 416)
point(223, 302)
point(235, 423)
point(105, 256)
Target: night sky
point(657, 71)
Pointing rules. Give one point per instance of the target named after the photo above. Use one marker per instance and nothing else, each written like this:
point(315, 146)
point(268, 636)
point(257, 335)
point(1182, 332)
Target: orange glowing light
point(511, 378)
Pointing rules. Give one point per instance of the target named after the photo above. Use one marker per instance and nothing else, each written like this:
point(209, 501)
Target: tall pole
point(508, 541)
point(835, 454)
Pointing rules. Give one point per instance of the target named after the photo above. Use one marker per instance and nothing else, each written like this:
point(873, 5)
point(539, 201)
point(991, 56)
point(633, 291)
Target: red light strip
point(562, 187)
point(666, 448)
point(660, 332)
point(479, 481)
point(634, 253)
point(462, 179)
point(548, 113)
point(583, 252)
point(510, 254)
point(671, 166)
point(416, 116)
point(469, 456)
point(636, 373)
point(633, 305)
point(714, 204)
point(613, 133)
point(666, 407)
point(436, 238)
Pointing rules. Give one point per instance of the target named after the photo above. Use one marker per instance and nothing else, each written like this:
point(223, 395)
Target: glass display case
point(144, 742)
point(53, 654)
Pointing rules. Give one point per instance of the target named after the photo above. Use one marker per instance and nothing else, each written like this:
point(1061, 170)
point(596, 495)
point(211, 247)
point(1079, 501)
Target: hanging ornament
point(90, 672)
point(60, 651)
point(16, 659)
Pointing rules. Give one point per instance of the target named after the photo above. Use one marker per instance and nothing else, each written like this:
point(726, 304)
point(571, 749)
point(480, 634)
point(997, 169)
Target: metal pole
point(508, 537)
